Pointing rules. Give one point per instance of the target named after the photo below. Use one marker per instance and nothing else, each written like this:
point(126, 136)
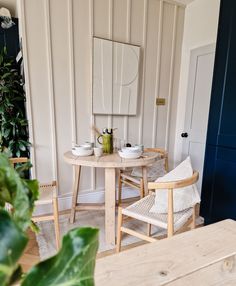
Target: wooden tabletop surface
point(204, 256)
point(110, 160)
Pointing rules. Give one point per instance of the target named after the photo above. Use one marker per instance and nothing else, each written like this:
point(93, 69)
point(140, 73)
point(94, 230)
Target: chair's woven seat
point(140, 210)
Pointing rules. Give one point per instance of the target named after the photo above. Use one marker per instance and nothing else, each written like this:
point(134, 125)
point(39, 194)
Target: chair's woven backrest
point(51, 187)
point(48, 185)
point(163, 154)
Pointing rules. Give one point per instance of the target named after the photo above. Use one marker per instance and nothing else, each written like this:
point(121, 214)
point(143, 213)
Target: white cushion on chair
point(154, 171)
point(183, 198)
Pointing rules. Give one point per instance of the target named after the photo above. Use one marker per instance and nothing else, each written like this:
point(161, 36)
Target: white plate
point(134, 155)
point(82, 152)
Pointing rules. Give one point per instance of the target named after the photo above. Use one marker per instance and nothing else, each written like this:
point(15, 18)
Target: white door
point(197, 107)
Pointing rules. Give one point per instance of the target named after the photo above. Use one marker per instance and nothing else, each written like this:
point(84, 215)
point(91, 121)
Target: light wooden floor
point(31, 254)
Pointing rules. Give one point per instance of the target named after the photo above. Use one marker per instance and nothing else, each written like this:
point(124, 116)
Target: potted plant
point(13, 123)
point(73, 265)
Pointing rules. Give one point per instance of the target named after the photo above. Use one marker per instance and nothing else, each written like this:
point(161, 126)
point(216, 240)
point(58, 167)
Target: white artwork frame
point(115, 77)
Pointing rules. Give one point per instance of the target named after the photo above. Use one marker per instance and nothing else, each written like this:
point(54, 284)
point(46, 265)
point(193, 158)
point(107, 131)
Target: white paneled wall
point(57, 44)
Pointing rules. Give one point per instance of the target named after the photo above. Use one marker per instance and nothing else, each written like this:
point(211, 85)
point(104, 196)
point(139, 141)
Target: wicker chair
point(171, 221)
point(47, 195)
point(125, 177)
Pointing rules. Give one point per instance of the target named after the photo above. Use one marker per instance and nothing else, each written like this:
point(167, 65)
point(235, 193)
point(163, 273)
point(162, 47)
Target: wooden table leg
point(145, 180)
point(110, 201)
point(75, 193)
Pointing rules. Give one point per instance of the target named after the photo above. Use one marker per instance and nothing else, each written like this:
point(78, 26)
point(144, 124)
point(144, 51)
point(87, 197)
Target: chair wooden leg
point(119, 189)
point(56, 222)
point(75, 193)
point(145, 180)
point(149, 229)
point(166, 164)
point(170, 228)
point(119, 232)
point(193, 224)
point(141, 188)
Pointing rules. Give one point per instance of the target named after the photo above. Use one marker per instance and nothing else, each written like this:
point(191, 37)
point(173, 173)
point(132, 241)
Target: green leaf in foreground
point(12, 244)
point(72, 266)
point(21, 194)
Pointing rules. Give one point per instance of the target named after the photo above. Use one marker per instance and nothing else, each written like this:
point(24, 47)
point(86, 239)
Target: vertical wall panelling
point(128, 21)
point(166, 49)
point(72, 69)
point(92, 120)
point(144, 70)
point(60, 47)
point(101, 28)
point(35, 26)
point(28, 88)
point(91, 16)
point(82, 12)
point(111, 11)
point(171, 80)
point(150, 70)
point(136, 26)
point(158, 70)
point(120, 30)
point(58, 51)
point(51, 88)
point(72, 72)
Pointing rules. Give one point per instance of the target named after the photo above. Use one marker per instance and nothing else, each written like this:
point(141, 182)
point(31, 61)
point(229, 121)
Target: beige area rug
point(46, 237)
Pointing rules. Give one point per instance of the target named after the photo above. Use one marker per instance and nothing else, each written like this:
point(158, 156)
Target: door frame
point(193, 65)
point(194, 54)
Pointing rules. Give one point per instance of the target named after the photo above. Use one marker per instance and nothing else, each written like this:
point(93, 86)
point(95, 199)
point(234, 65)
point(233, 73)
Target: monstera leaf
point(20, 193)
point(12, 244)
point(72, 266)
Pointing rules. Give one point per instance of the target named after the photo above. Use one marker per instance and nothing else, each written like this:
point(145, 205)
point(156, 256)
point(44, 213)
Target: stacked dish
point(82, 150)
point(130, 152)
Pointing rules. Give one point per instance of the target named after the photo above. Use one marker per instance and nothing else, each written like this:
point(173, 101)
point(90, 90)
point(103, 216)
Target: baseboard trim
point(97, 196)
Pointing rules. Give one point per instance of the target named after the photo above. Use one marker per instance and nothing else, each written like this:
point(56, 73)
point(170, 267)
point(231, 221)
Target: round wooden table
point(110, 163)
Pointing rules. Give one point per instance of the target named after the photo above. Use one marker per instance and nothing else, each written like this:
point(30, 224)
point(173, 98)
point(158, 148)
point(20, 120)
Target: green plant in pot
point(13, 123)
point(73, 265)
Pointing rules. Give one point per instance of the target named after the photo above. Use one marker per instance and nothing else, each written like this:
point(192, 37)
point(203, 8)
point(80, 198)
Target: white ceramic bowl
point(88, 145)
point(81, 152)
point(131, 155)
point(129, 150)
point(82, 147)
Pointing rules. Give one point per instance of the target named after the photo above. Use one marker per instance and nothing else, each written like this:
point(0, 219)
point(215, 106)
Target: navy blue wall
point(219, 178)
